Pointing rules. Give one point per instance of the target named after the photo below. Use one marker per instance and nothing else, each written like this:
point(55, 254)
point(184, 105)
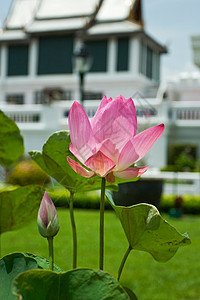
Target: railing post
point(51, 116)
point(165, 110)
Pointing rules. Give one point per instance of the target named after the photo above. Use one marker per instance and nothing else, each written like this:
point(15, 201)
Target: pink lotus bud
point(47, 221)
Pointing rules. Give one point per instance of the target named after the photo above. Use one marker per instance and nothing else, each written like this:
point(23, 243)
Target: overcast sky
point(170, 22)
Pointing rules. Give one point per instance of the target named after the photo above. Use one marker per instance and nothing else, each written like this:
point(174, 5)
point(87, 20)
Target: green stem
point(123, 262)
point(0, 245)
point(51, 254)
point(101, 242)
point(71, 209)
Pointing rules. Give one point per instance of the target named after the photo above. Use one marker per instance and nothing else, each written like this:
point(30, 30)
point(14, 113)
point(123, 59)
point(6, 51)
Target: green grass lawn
point(178, 279)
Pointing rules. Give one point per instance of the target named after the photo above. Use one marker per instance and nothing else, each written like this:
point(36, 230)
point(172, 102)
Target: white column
point(112, 56)
point(134, 56)
point(51, 116)
point(76, 93)
point(32, 67)
point(3, 71)
point(33, 58)
point(3, 62)
point(157, 156)
point(165, 110)
point(29, 97)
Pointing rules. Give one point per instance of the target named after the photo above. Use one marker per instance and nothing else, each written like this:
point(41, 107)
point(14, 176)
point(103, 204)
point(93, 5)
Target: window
point(55, 55)
point(15, 99)
point(149, 62)
point(17, 60)
point(122, 54)
point(49, 95)
point(142, 66)
point(88, 95)
point(156, 66)
point(98, 51)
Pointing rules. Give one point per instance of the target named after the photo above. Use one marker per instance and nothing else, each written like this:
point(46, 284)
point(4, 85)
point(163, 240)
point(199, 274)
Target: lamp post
point(82, 62)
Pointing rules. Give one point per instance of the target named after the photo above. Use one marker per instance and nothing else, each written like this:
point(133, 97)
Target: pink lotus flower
point(108, 145)
point(47, 221)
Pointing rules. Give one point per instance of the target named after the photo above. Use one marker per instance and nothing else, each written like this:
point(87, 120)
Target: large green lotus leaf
point(79, 284)
point(13, 264)
point(10, 266)
point(42, 262)
point(11, 145)
point(147, 231)
point(53, 160)
point(18, 207)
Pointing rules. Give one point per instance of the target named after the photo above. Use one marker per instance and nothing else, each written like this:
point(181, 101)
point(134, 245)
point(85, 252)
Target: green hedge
point(190, 204)
point(90, 200)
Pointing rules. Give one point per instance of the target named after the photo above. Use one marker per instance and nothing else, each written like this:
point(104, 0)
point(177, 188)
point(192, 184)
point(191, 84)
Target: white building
point(36, 48)
point(196, 49)
point(39, 38)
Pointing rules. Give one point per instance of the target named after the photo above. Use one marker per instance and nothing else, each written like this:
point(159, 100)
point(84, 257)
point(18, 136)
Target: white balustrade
point(148, 111)
point(183, 112)
point(38, 122)
point(179, 183)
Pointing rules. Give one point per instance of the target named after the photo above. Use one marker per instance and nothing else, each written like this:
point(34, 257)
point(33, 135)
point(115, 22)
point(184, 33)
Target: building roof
point(94, 17)
point(46, 26)
point(51, 9)
point(119, 27)
point(21, 13)
point(12, 35)
point(119, 8)
point(29, 15)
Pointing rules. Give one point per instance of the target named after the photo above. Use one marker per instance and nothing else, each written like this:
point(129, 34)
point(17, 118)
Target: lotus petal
point(117, 122)
point(100, 164)
point(81, 134)
point(131, 173)
point(79, 169)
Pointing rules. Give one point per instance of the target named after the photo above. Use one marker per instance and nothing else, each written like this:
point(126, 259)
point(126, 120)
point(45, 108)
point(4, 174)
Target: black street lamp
point(82, 62)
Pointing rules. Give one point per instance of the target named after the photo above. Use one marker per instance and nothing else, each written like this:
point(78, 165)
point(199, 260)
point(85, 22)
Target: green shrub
point(190, 204)
point(175, 150)
point(185, 162)
point(169, 168)
point(181, 164)
point(27, 172)
point(90, 200)
point(181, 158)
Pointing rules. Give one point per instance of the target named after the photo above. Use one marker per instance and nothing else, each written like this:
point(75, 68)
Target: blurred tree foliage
point(27, 172)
